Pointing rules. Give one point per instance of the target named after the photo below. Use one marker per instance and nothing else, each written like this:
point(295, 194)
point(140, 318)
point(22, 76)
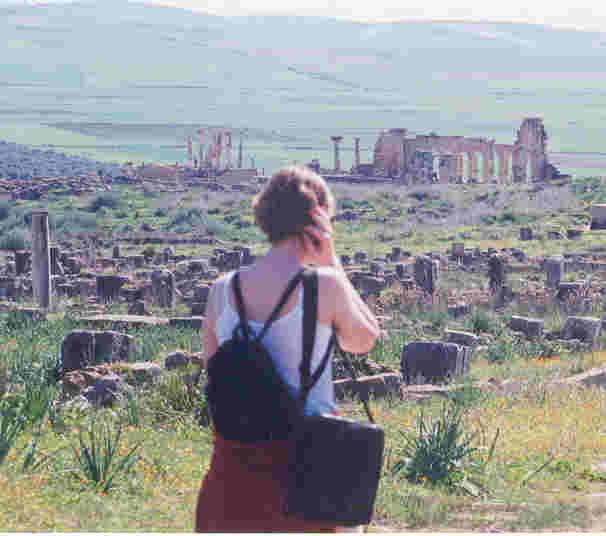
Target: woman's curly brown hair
point(284, 206)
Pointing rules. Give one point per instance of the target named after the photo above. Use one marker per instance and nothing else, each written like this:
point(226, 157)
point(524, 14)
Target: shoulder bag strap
point(310, 317)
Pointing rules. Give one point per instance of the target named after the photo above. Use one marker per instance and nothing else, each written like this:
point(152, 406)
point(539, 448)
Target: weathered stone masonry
point(411, 159)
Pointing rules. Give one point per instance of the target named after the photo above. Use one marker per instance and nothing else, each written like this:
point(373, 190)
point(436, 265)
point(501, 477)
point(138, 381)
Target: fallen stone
point(188, 322)
point(531, 327)
point(461, 337)
point(586, 329)
point(379, 386)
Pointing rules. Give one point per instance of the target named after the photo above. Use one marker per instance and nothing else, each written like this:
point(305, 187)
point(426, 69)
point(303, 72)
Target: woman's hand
point(317, 240)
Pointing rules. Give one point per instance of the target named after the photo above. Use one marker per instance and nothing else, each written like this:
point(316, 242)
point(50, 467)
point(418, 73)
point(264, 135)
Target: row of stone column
point(452, 166)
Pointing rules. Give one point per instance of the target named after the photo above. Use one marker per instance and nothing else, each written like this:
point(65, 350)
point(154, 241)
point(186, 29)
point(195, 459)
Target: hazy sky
point(584, 14)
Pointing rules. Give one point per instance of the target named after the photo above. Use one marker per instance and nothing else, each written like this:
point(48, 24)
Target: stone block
point(584, 328)
point(434, 362)
point(598, 216)
point(106, 390)
point(377, 386)
point(108, 287)
point(459, 309)
point(525, 233)
point(463, 338)
point(78, 350)
point(458, 249)
point(531, 327)
point(569, 290)
point(81, 349)
point(113, 346)
point(189, 322)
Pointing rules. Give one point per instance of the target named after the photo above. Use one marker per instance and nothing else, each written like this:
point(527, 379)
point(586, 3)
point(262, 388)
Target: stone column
point(554, 269)
point(488, 166)
point(228, 150)
point(357, 152)
point(336, 140)
point(473, 165)
point(163, 289)
point(460, 167)
point(240, 153)
point(41, 276)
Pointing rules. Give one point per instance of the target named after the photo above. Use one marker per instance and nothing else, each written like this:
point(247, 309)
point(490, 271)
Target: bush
point(99, 458)
point(5, 210)
point(500, 351)
point(104, 201)
point(73, 221)
point(160, 212)
point(437, 451)
point(15, 240)
point(186, 219)
point(480, 322)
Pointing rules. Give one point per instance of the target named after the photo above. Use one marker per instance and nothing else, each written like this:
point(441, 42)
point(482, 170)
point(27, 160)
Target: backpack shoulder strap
point(276, 311)
point(310, 318)
point(239, 304)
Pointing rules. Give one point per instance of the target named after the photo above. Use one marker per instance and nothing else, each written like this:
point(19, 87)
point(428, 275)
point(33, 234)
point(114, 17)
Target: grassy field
point(536, 447)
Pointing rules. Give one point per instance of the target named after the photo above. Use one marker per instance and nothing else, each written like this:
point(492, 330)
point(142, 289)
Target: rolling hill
point(120, 80)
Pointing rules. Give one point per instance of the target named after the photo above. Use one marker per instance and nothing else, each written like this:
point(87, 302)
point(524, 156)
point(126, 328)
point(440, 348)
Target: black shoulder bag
point(335, 466)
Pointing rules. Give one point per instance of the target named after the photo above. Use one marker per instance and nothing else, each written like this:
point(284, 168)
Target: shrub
point(15, 240)
point(104, 201)
point(160, 212)
point(186, 219)
point(73, 221)
point(5, 210)
point(500, 351)
point(437, 451)
point(480, 322)
point(12, 423)
point(98, 455)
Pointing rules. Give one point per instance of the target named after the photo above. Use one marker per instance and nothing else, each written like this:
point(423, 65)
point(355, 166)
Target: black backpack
point(248, 399)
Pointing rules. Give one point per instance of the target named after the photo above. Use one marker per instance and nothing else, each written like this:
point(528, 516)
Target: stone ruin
point(445, 159)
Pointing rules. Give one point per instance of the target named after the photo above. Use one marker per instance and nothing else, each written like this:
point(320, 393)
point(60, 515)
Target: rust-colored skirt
point(244, 489)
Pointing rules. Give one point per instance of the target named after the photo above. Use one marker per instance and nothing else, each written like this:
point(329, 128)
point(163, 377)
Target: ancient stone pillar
point(56, 268)
point(554, 269)
point(426, 274)
point(240, 161)
point(41, 273)
point(337, 140)
point(228, 150)
point(473, 164)
point(488, 165)
point(496, 274)
point(460, 166)
point(357, 153)
point(163, 289)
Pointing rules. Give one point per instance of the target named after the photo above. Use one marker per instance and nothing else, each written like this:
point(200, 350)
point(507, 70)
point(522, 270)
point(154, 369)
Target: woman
point(243, 489)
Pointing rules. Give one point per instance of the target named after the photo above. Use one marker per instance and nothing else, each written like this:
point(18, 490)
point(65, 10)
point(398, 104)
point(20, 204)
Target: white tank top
point(283, 341)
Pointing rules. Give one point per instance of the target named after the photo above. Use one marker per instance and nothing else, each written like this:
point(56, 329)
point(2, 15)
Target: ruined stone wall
point(479, 159)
